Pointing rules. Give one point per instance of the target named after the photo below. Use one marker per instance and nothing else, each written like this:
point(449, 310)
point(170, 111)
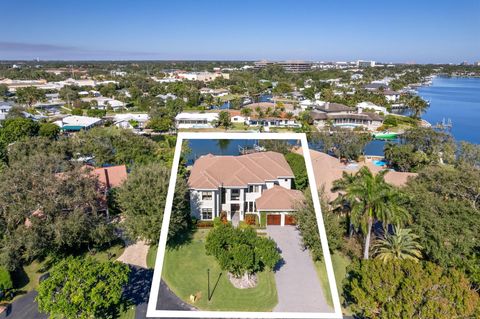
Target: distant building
point(202, 76)
point(365, 64)
point(75, 123)
point(289, 66)
point(195, 120)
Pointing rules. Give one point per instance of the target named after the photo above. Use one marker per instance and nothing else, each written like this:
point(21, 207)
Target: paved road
point(24, 308)
point(298, 286)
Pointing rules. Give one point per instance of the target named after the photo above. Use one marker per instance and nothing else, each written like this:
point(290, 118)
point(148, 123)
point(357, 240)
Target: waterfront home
point(391, 96)
point(186, 120)
point(255, 183)
point(75, 123)
point(347, 119)
point(214, 92)
point(369, 106)
point(272, 122)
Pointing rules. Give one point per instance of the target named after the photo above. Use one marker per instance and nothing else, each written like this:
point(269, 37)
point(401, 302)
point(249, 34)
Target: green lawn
point(185, 272)
point(340, 263)
point(128, 314)
point(151, 256)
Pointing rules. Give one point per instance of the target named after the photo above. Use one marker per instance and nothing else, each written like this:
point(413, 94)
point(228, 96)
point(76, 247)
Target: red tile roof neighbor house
point(112, 176)
point(328, 169)
point(210, 171)
point(279, 198)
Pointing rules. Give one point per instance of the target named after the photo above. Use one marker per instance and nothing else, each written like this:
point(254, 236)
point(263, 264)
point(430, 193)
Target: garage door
point(274, 219)
point(289, 220)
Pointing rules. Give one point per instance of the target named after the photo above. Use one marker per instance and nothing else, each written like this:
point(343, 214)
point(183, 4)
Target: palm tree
point(370, 198)
point(289, 115)
point(417, 105)
point(402, 244)
point(246, 112)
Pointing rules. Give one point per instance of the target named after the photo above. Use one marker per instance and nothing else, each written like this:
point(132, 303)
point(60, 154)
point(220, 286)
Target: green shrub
point(5, 282)
point(263, 219)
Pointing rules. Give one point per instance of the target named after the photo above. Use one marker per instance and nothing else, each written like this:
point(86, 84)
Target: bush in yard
point(83, 288)
point(241, 251)
point(5, 282)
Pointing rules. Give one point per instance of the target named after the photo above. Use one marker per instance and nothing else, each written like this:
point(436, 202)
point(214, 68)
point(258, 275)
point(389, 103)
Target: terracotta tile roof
point(279, 198)
point(210, 171)
point(328, 169)
point(112, 176)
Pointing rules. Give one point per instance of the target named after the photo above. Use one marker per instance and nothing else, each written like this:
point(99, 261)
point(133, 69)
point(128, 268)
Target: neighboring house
point(390, 95)
point(340, 115)
point(240, 185)
point(4, 109)
point(328, 169)
point(167, 96)
point(195, 120)
point(370, 121)
point(125, 121)
point(111, 176)
point(272, 122)
point(105, 102)
point(75, 123)
point(214, 92)
point(365, 106)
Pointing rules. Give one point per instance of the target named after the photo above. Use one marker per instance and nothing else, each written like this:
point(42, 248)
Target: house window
point(254, 188)
point(206, 195)
point(235, 195)
point(206, 214)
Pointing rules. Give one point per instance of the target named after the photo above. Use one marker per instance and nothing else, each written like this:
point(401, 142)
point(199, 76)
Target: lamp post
point(208, 284)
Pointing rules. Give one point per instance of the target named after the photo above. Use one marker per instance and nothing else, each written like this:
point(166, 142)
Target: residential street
point(298, 286)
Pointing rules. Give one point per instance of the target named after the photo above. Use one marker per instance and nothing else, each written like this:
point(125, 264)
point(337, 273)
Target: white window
point(206, 214)
point(206, 195)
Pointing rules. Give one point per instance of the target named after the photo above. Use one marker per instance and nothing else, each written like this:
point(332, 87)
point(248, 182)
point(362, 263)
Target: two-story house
point(243, 184)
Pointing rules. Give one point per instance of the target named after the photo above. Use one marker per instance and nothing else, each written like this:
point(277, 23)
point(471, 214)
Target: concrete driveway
point(298, 286)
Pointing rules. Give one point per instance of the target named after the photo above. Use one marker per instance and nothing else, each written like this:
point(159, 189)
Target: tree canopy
point(142, 200)
point(83, 288)
point(407, 289)
point(241, 251)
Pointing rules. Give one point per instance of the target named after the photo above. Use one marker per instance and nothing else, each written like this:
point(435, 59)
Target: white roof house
point(104, 102)
point(370, 106)
point(75, 123)
point(125, 120)
point(4, 109)
point(195, 120)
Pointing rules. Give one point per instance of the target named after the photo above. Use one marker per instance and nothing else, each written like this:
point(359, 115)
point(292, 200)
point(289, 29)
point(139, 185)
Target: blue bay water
point(457, 99)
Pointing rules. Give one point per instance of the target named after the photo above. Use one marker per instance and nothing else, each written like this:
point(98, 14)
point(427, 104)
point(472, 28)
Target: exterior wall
point(196, 203)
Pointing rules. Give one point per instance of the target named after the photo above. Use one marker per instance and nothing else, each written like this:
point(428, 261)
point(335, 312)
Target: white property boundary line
point(157, 274)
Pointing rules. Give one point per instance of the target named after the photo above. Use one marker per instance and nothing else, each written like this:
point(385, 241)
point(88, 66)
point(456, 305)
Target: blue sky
point(397, 31)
